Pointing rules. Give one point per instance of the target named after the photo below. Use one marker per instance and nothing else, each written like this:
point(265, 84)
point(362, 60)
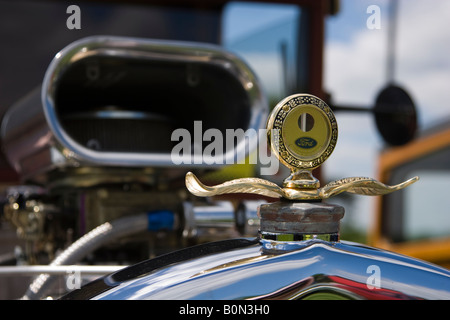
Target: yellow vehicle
point(415, 222)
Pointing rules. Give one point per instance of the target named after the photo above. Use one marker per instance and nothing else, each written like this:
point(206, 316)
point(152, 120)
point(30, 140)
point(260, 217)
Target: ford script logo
point(306, 142)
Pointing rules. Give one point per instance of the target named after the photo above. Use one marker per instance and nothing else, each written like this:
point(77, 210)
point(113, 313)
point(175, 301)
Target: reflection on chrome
point(329, 269)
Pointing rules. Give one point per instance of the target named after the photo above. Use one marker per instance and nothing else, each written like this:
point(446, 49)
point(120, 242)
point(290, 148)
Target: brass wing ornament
point(302, 133)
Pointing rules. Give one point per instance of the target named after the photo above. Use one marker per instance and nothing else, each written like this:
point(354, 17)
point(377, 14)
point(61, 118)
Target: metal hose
point(89, 242)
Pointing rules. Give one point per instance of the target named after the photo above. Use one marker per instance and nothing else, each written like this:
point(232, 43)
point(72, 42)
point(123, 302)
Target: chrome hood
point(307, 260)
point(334, 270)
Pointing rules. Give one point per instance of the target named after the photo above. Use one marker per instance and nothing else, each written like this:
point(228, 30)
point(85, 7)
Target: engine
point(95, 145)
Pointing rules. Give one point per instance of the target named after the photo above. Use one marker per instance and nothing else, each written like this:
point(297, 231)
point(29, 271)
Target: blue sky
point(355, 71)
point(422, 48)
point(351, 18)
point(243, 19)
point(355, 57)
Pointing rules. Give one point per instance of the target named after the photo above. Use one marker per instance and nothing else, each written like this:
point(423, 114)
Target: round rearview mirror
point(395, 115)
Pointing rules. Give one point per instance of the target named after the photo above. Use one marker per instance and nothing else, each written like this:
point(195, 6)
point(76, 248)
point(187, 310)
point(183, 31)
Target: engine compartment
point(93, 146)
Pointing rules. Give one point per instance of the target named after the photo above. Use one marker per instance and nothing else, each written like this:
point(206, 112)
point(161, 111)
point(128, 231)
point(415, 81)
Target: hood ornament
point(302, 133)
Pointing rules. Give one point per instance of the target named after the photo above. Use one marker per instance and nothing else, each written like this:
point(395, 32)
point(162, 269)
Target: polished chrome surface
point(10, 271)
point(37, 141)
point(215, 220)
point(337, 269)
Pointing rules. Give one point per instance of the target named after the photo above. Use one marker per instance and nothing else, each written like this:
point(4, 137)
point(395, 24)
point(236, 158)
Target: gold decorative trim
point(355, 185)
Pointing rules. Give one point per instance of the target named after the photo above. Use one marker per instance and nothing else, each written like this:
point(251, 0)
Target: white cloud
point(355, 70)
point(424, 56)
point(357, 147)
point(268, 68)
point(355, 155)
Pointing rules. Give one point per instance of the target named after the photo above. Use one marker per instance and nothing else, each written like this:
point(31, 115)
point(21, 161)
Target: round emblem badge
point(302, 131)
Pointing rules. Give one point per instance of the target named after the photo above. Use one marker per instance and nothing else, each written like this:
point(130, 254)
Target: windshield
point(268, 42)
point(421, 210)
